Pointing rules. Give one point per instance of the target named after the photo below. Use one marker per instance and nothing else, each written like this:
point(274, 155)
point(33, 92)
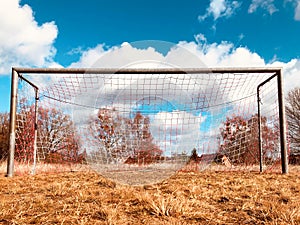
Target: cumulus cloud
point(199, 54)
point(220, 8)
point(175, 130)
point(116, 56)
point(181, 122)
point(297, 11)
point(291, 72)
point(223, 54)
point(180, 55)
point(267, 5)
point(296, 5)
point(23, 42)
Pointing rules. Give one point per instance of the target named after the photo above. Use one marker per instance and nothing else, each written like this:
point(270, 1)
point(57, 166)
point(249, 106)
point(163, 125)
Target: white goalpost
point(142, 125)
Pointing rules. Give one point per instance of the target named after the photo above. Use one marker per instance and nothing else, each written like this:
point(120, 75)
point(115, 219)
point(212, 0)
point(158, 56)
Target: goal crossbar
point(276, 70)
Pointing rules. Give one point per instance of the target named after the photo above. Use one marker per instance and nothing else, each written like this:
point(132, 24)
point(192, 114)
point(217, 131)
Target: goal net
point(142, 125)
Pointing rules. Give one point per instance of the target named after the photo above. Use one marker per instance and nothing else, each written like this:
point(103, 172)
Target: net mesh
point(4, 139)
point(146, 125)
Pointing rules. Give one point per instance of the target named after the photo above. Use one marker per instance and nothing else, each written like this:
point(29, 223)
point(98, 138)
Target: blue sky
point(50, 33)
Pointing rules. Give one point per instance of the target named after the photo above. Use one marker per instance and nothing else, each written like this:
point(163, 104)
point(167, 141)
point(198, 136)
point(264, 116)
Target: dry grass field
point(185, 198)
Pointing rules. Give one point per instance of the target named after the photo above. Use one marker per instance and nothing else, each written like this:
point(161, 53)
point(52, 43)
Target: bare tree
point(110, 131)
point(121, 138)
point(56, 136)
point(293, 118)
point(145, 151)
point(240, 139)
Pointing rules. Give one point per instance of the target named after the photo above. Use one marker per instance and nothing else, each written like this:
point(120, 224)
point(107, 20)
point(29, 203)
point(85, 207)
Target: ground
point(185, 198)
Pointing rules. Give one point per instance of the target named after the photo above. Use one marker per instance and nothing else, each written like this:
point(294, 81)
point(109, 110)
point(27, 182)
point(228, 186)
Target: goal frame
point(277, 74)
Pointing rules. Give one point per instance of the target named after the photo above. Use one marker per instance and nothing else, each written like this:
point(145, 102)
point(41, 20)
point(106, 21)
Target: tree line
point(131, 139)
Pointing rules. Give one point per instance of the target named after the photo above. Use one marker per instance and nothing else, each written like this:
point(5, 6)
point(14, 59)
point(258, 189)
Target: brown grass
point(186, 198)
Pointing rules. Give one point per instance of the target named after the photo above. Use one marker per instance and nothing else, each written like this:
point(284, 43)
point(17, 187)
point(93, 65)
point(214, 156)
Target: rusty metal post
point(282, 124)
point(12, 123)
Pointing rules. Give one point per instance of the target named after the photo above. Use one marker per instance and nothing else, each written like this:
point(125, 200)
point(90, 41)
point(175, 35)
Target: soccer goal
point(121, 122)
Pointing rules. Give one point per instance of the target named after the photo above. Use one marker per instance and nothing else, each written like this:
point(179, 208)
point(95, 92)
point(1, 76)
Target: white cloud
point(22, 41)
point(75, 51)
point(129, 56)
point(181, 55)
point(297, 11)
point(184, 55)
point(222, 54)
point(241, 37)
point(296, 5)
point(89, 56)
point(220, 8)
point(291, 72)
point(173, 129)
point(267, 5)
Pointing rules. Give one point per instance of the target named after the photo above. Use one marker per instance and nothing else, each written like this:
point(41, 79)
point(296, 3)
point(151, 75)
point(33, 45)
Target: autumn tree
point(240, 139)
point(145, 151)
point(56, 135)
point(110, 131)
point(293, 118)
point(4, 135)
point(121, 138)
